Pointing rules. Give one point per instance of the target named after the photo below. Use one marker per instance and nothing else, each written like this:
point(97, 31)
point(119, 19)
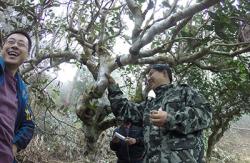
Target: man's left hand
point(14, 149)
point(158, 118)
point(130, 141)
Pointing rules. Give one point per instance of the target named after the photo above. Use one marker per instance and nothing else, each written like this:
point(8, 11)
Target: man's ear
point(1, 44)
point(165, 73)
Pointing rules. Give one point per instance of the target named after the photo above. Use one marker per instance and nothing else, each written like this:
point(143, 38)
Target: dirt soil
point(236, 141)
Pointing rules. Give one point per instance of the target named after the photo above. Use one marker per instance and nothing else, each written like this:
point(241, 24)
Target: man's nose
point(14, 46)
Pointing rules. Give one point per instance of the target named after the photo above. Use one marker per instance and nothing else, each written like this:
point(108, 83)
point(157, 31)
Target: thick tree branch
point(86, 60)
point(195, 56)
point(166, 47)
point(62, 56)
point(149, 53)
point(161, 26)
point(206, 67)
point(231, 54)
point(138, 18)
point(157, 59)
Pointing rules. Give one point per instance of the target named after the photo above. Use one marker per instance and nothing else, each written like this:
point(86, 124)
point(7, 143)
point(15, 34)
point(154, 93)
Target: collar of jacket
point(21, 87)
point(2, 63)
point(161, 89)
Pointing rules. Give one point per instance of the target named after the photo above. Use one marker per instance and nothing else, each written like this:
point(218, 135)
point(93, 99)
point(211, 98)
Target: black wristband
point(118, 61)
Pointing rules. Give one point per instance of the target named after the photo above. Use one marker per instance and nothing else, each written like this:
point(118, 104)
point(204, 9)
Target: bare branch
point(172, 9)
point(195, 56)
point(120, 29)
point(233, 44)
point(48, 83)
point(149, 7)
point(48, 67)
point(93, 19)
point(176, 32)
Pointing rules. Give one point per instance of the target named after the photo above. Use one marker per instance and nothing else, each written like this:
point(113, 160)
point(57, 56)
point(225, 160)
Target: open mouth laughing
point(12, 52)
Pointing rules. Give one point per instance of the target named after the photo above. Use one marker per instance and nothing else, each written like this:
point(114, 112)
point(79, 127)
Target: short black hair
point(22, 32)
point(162, 67)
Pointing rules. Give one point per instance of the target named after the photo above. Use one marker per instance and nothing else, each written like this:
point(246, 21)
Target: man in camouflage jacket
point(173, 121)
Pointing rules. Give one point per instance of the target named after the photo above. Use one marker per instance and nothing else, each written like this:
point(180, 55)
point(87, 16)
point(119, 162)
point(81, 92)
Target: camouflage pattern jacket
point(181, 138)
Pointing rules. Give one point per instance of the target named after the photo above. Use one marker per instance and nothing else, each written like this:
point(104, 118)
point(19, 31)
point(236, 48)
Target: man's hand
point(130, 141)
point(147, 89)
point(14, 149)
point(110, 79)
point(158, 118)
point(115, 139)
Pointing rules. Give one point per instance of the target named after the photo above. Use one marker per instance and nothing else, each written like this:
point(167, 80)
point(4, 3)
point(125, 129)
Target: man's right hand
point(158, 118)
point(115, 139)
point(130, 141)
point(110, 79)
